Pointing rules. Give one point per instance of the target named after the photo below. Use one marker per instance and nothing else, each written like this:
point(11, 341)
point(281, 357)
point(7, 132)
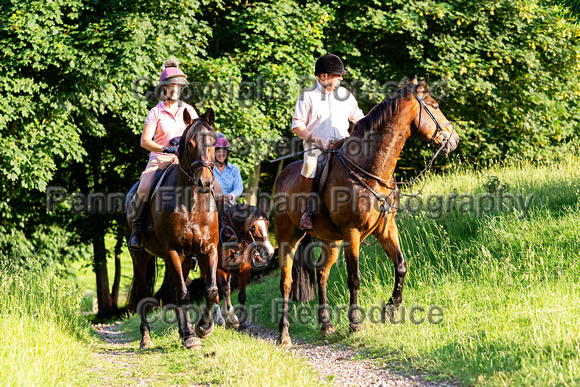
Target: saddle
point(323, 166)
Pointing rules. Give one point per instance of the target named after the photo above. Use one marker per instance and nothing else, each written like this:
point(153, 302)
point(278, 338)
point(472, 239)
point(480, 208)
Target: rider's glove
point(170, 149)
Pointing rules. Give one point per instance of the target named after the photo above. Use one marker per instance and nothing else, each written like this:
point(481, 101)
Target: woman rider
point(164, 122)
point(227, 174)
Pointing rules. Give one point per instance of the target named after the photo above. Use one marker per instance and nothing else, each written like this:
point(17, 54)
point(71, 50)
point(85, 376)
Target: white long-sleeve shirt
point(326, 114)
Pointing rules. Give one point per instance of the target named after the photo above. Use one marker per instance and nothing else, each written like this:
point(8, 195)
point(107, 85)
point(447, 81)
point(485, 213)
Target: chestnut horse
point(362, 170)
point(250, 226)
point(183, 221)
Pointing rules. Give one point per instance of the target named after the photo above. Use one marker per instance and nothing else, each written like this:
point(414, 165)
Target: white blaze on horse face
point(264, 230)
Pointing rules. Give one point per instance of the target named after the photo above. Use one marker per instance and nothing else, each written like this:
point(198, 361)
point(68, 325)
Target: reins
point(241, 240)
point(384, 205)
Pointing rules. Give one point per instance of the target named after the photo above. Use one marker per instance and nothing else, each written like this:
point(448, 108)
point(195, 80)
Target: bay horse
point(250, 226)
point(183, 221)
point(363, 171)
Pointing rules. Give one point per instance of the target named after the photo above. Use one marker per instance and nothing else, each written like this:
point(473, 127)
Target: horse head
point(429, 122)
point(253, 223)
point(196, 151)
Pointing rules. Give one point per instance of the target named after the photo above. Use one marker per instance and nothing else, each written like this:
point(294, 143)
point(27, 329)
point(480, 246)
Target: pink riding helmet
point(172, 75)
point(222, 142)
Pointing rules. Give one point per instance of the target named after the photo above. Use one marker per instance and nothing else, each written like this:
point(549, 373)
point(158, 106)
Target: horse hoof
point(243, 328)
point(201, 332)
point(234, 325)
point(146, 344)
point(327, 330)
point(192, 343)
point(285, 342)
point(354, 327)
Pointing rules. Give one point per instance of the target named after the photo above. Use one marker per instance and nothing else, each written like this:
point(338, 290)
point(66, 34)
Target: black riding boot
point(306, 188)
point(136, 239)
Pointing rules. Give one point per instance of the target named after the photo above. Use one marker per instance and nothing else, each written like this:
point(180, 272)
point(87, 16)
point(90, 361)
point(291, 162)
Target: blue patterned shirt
point(230, 179)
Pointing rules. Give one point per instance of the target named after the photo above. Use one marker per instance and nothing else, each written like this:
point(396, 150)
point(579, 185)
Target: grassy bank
point(44, 340)
point(505, 277)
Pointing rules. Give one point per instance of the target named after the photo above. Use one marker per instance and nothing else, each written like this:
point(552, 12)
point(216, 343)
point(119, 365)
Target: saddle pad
point(158, 180)
point(323, 167)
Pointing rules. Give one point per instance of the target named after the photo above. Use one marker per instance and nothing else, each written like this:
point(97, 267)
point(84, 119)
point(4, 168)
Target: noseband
point(347, 162)
point(196, 165)
point(438, 126)
point(255, 242)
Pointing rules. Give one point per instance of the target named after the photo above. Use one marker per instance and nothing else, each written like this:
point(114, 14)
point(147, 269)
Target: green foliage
point(571, 8)
point(79, 76)
point(72, 71)
point(252, 79)
point(510, 67)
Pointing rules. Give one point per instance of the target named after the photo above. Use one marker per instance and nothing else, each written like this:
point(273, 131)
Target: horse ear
point(423, 87)
point(187, 117)
point(210, 116)
point(414, 80)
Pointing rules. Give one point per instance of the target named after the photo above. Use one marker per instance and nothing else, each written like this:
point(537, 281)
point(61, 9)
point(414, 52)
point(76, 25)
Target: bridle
point(195, 166)
point(242, 241)
point(347, 162)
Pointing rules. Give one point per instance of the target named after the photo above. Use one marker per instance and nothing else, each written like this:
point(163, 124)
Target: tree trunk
point(117, 280)
point(253, 199)
point(104, 298)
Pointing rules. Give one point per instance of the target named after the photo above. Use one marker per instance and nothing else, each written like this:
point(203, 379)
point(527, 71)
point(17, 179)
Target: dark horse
point(184, 221)
point(250, 226)
point(363, 171)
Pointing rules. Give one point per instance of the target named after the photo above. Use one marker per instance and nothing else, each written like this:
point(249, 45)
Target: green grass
point(44, 340)
point(507, 282)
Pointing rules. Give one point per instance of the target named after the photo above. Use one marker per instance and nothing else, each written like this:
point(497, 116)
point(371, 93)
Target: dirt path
point(336, 361)
point(330, 361)
point(117, 354)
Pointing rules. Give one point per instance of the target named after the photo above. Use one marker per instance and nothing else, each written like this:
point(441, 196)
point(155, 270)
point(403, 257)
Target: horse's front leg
point(328, 257)
point(388, 237)
point(227, 311)
point(208, 266)
point(243, 276)
point(181, 298)
point(351, 253)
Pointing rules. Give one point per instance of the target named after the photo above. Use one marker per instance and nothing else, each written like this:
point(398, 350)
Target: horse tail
point(303, 272)
point(134, 294)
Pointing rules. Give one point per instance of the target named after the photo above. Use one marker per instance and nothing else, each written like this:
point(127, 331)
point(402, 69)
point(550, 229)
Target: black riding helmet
point(329, 64)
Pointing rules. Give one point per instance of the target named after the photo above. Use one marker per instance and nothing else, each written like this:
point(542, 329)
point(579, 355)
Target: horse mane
point(247, 214)
point(190, 132)
point(381, 113)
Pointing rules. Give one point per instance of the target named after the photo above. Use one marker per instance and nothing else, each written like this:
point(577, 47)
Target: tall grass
point(505, 279)
point(44, 337)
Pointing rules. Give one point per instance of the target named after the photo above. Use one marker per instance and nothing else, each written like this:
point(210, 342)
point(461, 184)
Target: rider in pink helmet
point(227, 174)
point(163, 123)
